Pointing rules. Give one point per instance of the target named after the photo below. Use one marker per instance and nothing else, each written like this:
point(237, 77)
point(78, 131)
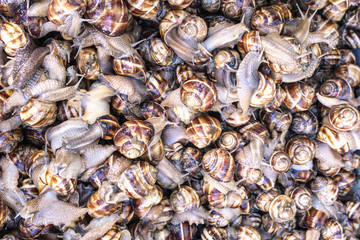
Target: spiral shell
point(333, 231)
point(66, 111)
point(203, 131)
point(302, 198)
point(352, 38)
point(233, 116)
point(183, 73)
point(282, 209)
point(109, 17)
point(38, 113)
point(304, 123)
point(245, 232)
point(265, 92)
point(269, 225)
point(335, 9)
point(98, 207)
point(133, 138)
point(145, 9)
point(269, 19)
point(174, 151)
point(314, 219)
point(339, 57)
point(192, 27)
point(137, 180)
point(152, 110)
point(143, 207)
point(278, 120)
point(302, 173)
point(333, 138)
point(184, 199)
point(301, 149)
point(172, 19)
point(166, 215)
point(352, 209)
point(4, 214)
point(28, 230)
point(254, 130)
point(109, 125)
point(199, 94)
point(248, 174)
point(213, 233)
point(131, 65)
point(249, 41)
point(336, 88)
point(230, 140)
point(88, 64)
point(280, 161)
point(345, 181)
point(278, 99)
point(351, 161)
point(63, 186)
point(219, 164)
point(299, 96)
point(59, 10)
point(156, 85)
point(264, 199)
point(10, 139)
point(344, 117)
point(234, 9)
point(190, 161)
point(325, 189)
point(14, 37)
point(29, 189)
point(160, 53)
point(350, 73)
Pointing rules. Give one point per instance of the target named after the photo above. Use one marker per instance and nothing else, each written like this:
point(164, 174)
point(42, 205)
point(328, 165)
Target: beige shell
point(88, 64)
point(301, 149)
point(333, 230)
point(349, 72)
point(299, 96)
point(280, 161)
point(204, 130)
point(160, 53)
point(145, 9)
point(265, 92)
point(325, 189)
point(282, 209)
point(184, 199)
point(230, 140)
point(14, 37)
point(264, 199)
point(38, 113)
point(344, 117)
point(302, 197)
point(219, 164)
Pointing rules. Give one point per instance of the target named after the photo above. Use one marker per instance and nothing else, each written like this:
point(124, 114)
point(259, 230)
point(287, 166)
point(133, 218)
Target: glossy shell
point(349, 72)
point(219, 164)
point(59, 10)
point(13, 36)
point(109, 125)
point(280, 161)
point(304, 123)
point(325, 189)
point(336, 88)
point(301, 149)
point(10, 139)
point(282, 209)
point(230, 140)
point(302, 197)
point(184, 199)
point(38, 113)
point(88, 64)
point(145, 9)
point(299, 96)
point(203, 131)
point(344, 117)
point(265, 92)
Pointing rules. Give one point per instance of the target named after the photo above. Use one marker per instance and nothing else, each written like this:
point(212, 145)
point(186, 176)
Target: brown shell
point(115, 233)
point(265, 92)
point(29, 189)
point(28, 230)
point(278, 99)
point(352, 209)
point(345, 181)
point(304, 123)
point(193, 27)
point(184, 199)
point(199, 94)
point(156, 85)
point(143, 206)
point(183, 73)
point(63, 186)
point(245, 232)
point(233, 116)
point(137, 180)
point(264, 199)
point(14, 37)
point(315, 219)
point(278, 120)
point(227, 59)
point(299, 96)
point(282, 209)
point(213, 233)
point(155, 153)
point(98, 207)
point(335, 9)
point(269, 19)
point(129, 65)
point(59, 10)
point(172, 19)
point(219, 164)
point(301, 149)
point(230, 140)
point(88, 64)
point(350, 73)
point(344, 117)
point(333, 230)
point(337, 88)
point(9, 140)
point(269, 225)
point(38, 113)
point(4, 214)
point(20, 155)
point(180, 4)
point(249, 41)
point(133, 138)
point(302, 197)
point(254, 130)
point(152, 110)
point(109, 125)
point(234, 8)
point(160, 53)
point(339, 57)
point(325, 189)
point(248, 175)
point(203, 131)
point(352, 38)
point(251, 220)
point(333, 138)
point(174, 151)
point(32, 25)
point(304, 175)
point(191, 160)
point(166, 215)
point(35, 135)
point(280, 161)
point(351, 161)
point(145, 9)
point(109, 16)
point(66, 111)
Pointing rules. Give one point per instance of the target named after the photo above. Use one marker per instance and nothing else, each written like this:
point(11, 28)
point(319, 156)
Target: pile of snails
point(179, 119)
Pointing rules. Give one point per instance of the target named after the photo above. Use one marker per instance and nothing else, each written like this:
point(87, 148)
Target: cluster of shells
point(179, 119)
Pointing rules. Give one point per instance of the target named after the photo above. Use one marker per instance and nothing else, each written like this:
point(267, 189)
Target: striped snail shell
point(126, 213)
point(278, 99)
point(304, 123)
point(352, 38)
point(282, 209)
point(145, 9)
point(302, 197)
point(315, 219)
point(59, 10)
point(351, 161)
point(278, 120)
point(352, 209)
point(4, 213)
point(204, 130)
point(264, 199)
point(336, 88)
point(137, 180)
point(116, 232)
point(180, 4)
point(269, 225)
point(233, 116)
point(109, 17)
point(28, 230)
point(63, 186)
point(345, 181)
point(299, 96)
point(219, 164)
point(166, 215)
point(199, 94)
point(214, 233)
point(325, 189)
point(88, 64)
point(190, 161)
point(333, 230)
point(249, 41)
point(269, 19)
point(193, 27)
point(109, 125)
point(248, 174)
point(235, 9)
point(333, 138)
point(227, 59)
point(280, 161)
point(152, 109)
point(184, 199)
point(38, 113)
point(183, 73)
point(143, 206)
point(245, 232)
point(14, 37)
point(230, 140)
point(251, 220)
point(133, 138)
point(265, 92)
point(132, 65)
point(160, 53)
point(157, 86)
point(301, 149)
point(254, 130)
point(172, 19)
point(29, 189)
point(339, 57)
point(335, 9)
point(349, 72)
point(99, 207)
point(174, 151)
point(344, 117)
point(10, 139)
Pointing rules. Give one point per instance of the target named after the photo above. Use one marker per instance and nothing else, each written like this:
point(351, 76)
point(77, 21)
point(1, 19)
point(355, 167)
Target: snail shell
point(230, 140)
point(38, 113)
point(145, 9)
point(352, 38)
point(282, 209)
point(214, 233)
point(302, 197)
point(143, 206)
point(10, 139)
point(304, 123)
point(133, 138)
point(351, 161)
point(344, 117)
point(302, 173)
point(335, 9)
point(219, 164)
point(333, 230)
point(345, 181)
point(333, 138)
point(278, 120)
point(325, 189)
point(352, 209)
point(4, 214)
point(350, 73)
point(14, 37)
point(131, 65)
point(180, 4)
point(234, 9)
point(137, 180)
point(109, 17)
point(160, 53)
point(269, 225)
point(249, 41)
point(191, 159)
point(63, 186)
point(245, 232)
point(315, 219)
point(204, 130)
point(152, 110)
point(172, 19)
point(339, 57)
point(248, 174)
point(193, 27)
point(109, 125)
point(184, 199)
point(99, 207)
point(183, 73)
point(156, 85)
point(59, 10)
point(199, 94)
point(265, 92)
point(264, 199)
point(301, 149)
point(337, 88)
point(66, 110)
point(28, 230)
point(299, 96)
point(280, 161)
point(278, 99)
point(29, 189)
point(88, 64)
